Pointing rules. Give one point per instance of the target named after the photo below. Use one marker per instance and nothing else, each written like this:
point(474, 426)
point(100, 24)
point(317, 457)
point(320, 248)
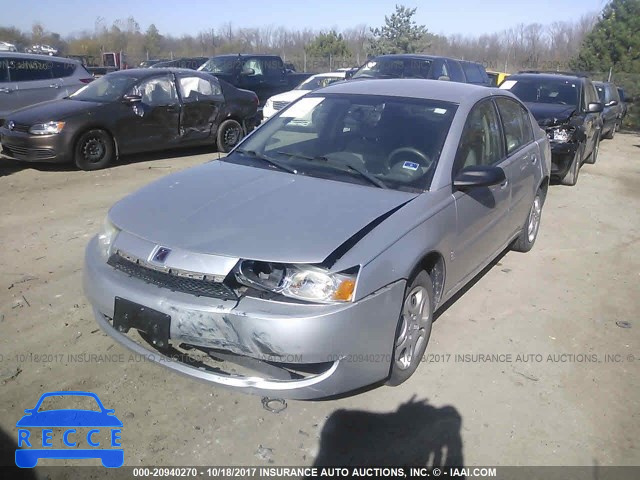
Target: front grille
point(28, 153)
point(279, 105)
point(199, 288)
point(20, 127)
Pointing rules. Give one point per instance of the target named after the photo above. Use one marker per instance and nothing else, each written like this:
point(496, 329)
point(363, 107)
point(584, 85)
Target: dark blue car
point(28, 456)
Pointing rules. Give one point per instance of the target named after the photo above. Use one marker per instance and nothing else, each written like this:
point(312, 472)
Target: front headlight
point(48, 128)
point(561, 134)
point(303, 282)
point(106, 237)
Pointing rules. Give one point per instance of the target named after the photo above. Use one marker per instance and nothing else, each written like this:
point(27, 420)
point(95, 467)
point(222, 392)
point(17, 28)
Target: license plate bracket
point(155, 326)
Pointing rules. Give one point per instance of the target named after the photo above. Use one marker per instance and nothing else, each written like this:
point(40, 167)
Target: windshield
point(219, 65)
point(388, 142)
point(554, 91)
point(395, 68)
point(316, 82)
point(105, 89)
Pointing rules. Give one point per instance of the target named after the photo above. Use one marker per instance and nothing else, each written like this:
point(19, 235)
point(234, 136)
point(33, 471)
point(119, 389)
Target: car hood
point(69, 418)
point(51, 111)
point(289, 96)
point(548, 114)
point(239, 211)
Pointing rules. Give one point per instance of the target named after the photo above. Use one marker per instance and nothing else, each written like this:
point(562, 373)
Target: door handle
point(534, 159)
point(54, 85)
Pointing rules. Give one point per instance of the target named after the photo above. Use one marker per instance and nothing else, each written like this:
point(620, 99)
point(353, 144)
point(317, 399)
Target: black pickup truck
point(266, 75)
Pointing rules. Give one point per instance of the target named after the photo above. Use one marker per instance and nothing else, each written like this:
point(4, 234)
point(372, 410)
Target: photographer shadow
point(417, 434)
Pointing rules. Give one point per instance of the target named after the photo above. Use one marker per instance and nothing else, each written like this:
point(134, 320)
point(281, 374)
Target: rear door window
point(474, 73)
point(63, 69)
point(516, 124)
point(27, 69)
point(4, 72)
point(193, 89)
point(455, 71)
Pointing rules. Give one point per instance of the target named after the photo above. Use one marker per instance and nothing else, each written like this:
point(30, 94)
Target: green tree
point(400, 34)
point(614, 41)
point(153, 41)
point(326, 44)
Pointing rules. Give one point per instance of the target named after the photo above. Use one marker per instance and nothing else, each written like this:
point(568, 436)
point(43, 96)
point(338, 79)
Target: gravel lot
point(563, 321)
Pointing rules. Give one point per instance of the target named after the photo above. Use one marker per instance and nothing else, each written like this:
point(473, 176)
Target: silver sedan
point(309, 262)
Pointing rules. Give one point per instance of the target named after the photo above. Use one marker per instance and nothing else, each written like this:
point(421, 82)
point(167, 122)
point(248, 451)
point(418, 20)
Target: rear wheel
point(414, 329)
point(94, 150)
point(229, 134)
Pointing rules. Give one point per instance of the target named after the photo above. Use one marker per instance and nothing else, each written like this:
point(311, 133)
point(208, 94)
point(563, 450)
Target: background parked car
point(42, 50)
point(192, 63)
point(278, 102)
point(423, 66)
point(265, 75)
point(496, 78)
point(7, 47)
point(131, 111)
point(150, 63)
point(613, 109)
point(27, 79)
point(567, 107)
point(623, 102)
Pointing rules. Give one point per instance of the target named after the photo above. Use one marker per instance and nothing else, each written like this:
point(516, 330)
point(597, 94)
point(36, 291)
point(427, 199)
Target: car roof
point(329, 74)
point(150, 72)
point(548, 76)
point(245, 55)
point(35, 56)
point(420, 56)
point(453, 92)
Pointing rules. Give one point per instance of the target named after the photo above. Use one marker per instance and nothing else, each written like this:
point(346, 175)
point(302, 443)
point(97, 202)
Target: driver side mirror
point(479, 176)
point(248, 71)
point(131, 99)
point(349, 74)
point(594, 107)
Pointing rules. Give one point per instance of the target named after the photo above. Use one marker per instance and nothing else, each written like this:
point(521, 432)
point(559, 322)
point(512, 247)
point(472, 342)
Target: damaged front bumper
point(258, 346)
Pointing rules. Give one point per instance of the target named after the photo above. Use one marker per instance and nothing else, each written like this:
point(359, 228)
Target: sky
point(466, 17)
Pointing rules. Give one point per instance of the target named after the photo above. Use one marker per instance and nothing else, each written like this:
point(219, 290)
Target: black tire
point(413, 332)
point(531, 227)
point(610, 134)
point(571, 177)
point(593, 157)
point(94, 150)
point(229, 134)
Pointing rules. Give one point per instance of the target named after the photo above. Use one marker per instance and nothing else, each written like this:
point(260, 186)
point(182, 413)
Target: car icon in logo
point(11, 125)
point(161, 254)
point(36, 434)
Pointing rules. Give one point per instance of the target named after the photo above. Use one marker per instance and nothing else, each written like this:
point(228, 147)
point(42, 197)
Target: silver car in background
point(310, 261)
point(27, 79)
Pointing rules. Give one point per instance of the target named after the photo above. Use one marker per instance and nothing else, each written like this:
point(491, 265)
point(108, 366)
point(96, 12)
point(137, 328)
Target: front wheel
point(94, 150)
point(594, 153)
point(414, 329)
point(229, 134)
point(571, 177)
point(531, 226)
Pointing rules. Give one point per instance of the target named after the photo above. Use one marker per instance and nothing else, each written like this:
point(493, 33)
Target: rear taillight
point(87, 80)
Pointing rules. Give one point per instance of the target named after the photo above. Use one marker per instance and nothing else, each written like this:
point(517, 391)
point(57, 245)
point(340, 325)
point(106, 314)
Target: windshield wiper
point(363, 173)
point(275, 163)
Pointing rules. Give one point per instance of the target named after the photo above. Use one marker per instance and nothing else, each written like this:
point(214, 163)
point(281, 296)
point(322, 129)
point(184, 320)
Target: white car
point(7, 47)
point(278, 102)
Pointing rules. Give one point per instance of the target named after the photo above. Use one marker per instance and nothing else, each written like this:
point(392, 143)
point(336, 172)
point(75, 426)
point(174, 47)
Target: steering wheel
point(418, 157)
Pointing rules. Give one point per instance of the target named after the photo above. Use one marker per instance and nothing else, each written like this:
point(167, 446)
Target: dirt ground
point(536, 364)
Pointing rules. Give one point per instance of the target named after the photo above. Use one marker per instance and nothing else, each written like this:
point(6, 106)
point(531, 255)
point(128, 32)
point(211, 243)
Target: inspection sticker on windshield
point(410, 165)
point(507, 84)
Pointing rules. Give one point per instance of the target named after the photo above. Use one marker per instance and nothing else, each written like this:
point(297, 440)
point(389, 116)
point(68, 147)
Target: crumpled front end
point(254, 342)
